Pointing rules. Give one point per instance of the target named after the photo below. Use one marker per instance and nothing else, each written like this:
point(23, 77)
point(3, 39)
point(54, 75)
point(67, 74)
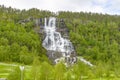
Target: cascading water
point(54, 42)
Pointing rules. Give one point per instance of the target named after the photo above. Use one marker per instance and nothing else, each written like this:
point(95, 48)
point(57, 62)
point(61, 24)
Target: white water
point(86, 62)
point(55, 42)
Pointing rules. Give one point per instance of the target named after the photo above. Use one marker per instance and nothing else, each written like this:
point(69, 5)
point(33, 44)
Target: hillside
point(94, 37)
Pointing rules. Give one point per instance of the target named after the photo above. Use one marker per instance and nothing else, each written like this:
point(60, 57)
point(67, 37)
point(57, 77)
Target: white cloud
point(100, 6)
point(101, 1)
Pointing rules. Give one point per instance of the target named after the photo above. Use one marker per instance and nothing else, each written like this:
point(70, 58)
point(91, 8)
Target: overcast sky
point(99, 6)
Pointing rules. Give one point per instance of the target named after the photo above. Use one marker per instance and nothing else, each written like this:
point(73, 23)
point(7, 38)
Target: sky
point(96, 6)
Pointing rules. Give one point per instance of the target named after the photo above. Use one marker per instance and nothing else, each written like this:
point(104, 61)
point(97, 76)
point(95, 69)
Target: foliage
point(18, 44)
point(95, 36)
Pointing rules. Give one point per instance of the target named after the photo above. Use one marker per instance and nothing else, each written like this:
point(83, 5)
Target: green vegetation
point(94, 36)
point(45, 71)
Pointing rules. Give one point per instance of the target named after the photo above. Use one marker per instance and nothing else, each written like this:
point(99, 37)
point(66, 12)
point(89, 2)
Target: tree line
point(95, 36)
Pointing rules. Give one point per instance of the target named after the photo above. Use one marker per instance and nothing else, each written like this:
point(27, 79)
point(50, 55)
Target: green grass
point(6, 69)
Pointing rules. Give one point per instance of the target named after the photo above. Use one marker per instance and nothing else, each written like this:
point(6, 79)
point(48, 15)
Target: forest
point(95, 36)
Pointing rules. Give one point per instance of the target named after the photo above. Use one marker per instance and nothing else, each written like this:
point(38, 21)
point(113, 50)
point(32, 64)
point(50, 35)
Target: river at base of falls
point(59, 48)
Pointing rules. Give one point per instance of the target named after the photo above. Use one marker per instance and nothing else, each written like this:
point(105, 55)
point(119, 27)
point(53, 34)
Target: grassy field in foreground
point(6, 69)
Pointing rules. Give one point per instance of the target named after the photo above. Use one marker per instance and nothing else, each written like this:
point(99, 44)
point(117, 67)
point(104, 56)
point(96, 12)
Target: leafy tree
point(46, 71)
point(35, 69)
point(59, 71)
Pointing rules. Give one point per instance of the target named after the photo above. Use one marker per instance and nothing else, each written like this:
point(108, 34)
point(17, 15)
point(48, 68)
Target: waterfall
point(54, 42)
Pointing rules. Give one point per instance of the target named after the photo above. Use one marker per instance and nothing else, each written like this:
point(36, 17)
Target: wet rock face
point(58, 46)
point(55, 57)
point(60, 26)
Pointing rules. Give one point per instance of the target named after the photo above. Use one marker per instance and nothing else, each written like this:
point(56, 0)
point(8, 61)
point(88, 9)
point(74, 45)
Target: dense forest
point(95, 36)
